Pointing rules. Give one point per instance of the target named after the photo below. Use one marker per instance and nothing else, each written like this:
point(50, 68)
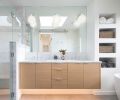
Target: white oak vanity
point(60, 74)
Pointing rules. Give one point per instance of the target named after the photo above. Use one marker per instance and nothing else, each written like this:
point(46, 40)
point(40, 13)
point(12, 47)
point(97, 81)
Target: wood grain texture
point(27, 75)
point(43, 76)
point(59, 76)
point(59, 71)
point(92, 76)
point(75, 76)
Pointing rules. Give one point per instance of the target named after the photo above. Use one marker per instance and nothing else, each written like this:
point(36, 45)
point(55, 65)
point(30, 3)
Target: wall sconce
point(32, 21)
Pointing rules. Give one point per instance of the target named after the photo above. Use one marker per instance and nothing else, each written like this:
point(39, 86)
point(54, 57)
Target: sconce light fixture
point(32, 21)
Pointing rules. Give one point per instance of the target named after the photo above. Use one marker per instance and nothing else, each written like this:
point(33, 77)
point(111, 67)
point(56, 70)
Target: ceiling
point(44, 2)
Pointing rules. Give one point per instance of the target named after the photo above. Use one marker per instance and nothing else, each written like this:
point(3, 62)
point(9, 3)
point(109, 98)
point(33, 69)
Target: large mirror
point(51, 29)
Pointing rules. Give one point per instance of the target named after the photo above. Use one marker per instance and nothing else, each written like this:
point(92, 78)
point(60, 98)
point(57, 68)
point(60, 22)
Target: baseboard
point(104, 92)
point(56, 91)
point(4, 91)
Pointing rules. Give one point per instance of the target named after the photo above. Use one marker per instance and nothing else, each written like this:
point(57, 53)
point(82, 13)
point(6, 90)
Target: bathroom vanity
point(60, 74)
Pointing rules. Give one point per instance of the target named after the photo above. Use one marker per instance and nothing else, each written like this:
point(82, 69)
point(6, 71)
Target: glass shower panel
point(20, 40)
point(11, 32)
point(5, 38)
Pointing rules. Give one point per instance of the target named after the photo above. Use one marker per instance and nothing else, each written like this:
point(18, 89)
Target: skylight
point(52, 21)
point(46, 21)
point(59, 21)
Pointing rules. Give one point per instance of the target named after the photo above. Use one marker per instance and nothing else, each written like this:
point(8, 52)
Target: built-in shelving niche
point(107, 48)
point(107, 33)
point(107, 40)
point(108, 62)
point(107, 19)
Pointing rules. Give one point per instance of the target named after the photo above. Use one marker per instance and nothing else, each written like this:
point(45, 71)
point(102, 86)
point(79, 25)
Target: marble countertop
point(59, 61)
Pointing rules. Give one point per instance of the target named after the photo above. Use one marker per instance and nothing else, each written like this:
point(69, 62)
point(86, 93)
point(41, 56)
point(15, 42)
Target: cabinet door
point(75, 76)
point(92, 76)
point(43, 76)
point(27, 76)
point(59, 76)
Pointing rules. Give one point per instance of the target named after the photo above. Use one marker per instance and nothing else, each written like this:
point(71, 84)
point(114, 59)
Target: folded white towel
point(110, 21)
point(102, 20)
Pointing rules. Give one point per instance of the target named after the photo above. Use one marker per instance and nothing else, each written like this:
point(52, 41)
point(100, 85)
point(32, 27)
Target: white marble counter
point(59, 61)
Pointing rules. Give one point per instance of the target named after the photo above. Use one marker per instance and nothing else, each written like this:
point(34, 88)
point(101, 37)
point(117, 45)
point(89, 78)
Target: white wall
point(91, 31)
point(94, 9)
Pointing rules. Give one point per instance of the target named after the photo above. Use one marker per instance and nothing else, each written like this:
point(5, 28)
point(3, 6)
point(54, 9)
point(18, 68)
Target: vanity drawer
point(59, 66)
point(59, 83)
point(59, 71)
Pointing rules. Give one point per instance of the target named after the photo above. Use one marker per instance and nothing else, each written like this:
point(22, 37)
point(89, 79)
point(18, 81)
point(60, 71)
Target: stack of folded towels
point(104, 20)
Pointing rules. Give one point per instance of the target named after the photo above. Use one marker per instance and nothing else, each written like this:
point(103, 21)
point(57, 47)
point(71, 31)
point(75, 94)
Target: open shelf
point(108, 62)
point(107, 40)
point(108, 55)
point(107, 33)
point(107, 19)
point(107, 48)
point(104, 26)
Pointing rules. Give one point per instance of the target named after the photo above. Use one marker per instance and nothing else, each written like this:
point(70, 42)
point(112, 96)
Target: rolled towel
point(102, 20)
point(110, 21)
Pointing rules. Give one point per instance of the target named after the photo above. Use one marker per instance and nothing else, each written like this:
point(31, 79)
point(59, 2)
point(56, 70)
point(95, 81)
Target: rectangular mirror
point(51, 29)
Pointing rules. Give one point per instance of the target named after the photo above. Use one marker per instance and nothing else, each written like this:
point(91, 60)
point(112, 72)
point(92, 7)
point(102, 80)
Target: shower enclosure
point(11, 47)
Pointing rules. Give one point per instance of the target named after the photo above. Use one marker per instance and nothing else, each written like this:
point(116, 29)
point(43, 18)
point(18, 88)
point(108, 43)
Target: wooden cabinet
point(43, 76)
point(92, 76)
point(75, 76)
point(27, 76)
point(59, 76)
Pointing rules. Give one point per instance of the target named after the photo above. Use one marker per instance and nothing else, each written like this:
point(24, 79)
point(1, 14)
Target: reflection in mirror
point(54, 28)
point(45, 40)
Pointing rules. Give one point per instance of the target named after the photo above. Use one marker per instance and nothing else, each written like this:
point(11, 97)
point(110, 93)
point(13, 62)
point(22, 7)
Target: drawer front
point(59, 71)
point(59, 83)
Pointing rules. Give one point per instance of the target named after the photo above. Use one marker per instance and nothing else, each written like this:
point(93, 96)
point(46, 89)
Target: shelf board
point(107, 55)
point(103, 26)
point(107, 40)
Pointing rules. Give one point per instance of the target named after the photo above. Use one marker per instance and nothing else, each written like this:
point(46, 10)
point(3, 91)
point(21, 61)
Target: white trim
point(107, 55)
point(105, 26)
point(107, 40)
